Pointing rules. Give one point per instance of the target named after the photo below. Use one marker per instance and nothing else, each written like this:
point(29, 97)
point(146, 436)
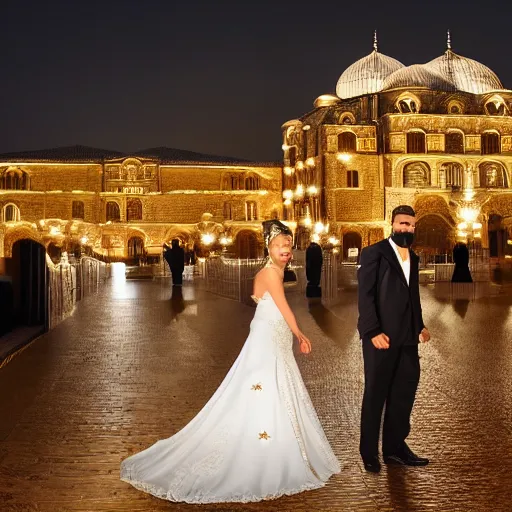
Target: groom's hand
point(381, 341)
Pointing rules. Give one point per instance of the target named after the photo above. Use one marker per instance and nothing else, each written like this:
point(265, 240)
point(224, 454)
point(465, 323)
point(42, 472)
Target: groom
point(390, 325)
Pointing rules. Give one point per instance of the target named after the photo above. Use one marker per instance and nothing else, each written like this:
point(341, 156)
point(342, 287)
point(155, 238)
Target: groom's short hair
point(403, 209)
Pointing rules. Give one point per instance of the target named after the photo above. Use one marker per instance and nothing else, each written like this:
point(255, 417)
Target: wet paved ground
point(132, 366)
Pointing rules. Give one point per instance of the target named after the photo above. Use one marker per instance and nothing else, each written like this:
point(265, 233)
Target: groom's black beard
point(403, 240)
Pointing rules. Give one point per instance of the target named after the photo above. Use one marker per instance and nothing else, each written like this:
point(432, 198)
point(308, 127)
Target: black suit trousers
point(391, 379)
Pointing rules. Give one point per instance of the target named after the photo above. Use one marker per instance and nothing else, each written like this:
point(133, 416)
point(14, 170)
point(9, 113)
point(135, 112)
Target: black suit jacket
point(386, 303)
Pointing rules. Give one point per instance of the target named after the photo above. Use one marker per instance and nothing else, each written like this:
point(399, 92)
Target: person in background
point(175, 257)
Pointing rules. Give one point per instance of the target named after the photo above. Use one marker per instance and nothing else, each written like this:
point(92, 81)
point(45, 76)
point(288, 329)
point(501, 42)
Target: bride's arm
point(275, 287)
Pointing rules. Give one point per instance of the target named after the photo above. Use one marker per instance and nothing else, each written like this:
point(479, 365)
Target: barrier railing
point(70, 282)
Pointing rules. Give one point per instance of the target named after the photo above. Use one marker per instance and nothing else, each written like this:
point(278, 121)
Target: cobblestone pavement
point(132, 366)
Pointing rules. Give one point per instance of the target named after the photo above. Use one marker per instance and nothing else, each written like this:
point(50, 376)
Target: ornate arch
point(455, 107)
point(132, 232)
point(17, 233)
point(178, 232)
point(346, 115)
point(416, 174)
point(433, 204)
point(503, 180)
point(411, 100)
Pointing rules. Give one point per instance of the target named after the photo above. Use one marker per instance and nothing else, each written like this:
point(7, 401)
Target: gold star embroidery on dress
point(256, 387)
point(264, 435)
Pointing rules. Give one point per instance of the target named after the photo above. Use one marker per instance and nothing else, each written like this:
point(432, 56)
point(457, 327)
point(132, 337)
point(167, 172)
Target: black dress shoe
point(405, 458)
point(372, 464)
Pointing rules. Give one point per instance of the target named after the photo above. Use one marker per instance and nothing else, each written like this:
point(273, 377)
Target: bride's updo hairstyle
point(273, 228)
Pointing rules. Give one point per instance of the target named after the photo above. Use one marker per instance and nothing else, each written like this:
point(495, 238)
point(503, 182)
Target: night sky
point(213, 76)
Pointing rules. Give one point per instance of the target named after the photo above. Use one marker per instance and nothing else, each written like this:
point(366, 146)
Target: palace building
point(125, 206)
point(437, 136)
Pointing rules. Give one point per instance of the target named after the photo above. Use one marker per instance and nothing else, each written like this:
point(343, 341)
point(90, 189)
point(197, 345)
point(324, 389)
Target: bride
point(258, 437)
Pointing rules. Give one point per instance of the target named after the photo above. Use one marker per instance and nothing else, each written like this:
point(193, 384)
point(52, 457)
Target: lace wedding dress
point(257, 438)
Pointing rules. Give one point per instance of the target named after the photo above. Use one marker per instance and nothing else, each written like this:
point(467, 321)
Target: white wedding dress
point(257, 438)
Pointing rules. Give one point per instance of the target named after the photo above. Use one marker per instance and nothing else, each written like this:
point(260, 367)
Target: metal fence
point(480, 271)
point(233, 278)
point(70, 282)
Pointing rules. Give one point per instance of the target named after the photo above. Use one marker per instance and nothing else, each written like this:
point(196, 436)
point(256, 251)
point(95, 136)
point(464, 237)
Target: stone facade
point(436, 139)
point(126, 207)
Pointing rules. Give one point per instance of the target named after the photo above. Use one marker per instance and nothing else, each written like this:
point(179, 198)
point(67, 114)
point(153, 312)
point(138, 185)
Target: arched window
point(14, 180)
point(347, 118)
point(455, 107)
point(454, 143)
point(407, 106)
point(416, 142)
point(113, 213)
point(347, 142)
point(490, 143)
point(251, 183)
point(251, 211)
point(77, 210)
point(11, 213)
point(234, 179)
point(492, 175)
point(496, 107)
point(228, 211)
point(134, 210)
point(416, 175)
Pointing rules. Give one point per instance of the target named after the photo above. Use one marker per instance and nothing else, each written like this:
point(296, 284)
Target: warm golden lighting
point(287, 202)
point(306, 127)
point(299, 191)
point(312, 190)
point(207, 238)
point(477, 225)
point(469, 214)
point(84, 240)
point(289, 171)
point(319, 227)
point(285, 147)
point(344, 157)
point(462, 225)
point(310, 162)
point(300, 165)
point(307, 221)
point(226, 240)
point(54, 230)
point(315, 238)
point(287, 194)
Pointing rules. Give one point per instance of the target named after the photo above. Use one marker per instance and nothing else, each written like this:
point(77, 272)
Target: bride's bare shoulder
point(265, 274)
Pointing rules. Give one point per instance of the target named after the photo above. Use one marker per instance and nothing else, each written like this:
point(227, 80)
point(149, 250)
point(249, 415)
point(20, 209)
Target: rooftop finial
point(448, 40)
point(375, 45)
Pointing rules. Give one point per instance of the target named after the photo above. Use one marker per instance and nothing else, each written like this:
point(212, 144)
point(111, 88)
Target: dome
point(367, 75)
point(326, 100)
point(417, 75)
point(465, 74)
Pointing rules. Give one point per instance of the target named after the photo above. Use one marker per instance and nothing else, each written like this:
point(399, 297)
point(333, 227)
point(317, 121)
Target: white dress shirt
point(406, 265)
